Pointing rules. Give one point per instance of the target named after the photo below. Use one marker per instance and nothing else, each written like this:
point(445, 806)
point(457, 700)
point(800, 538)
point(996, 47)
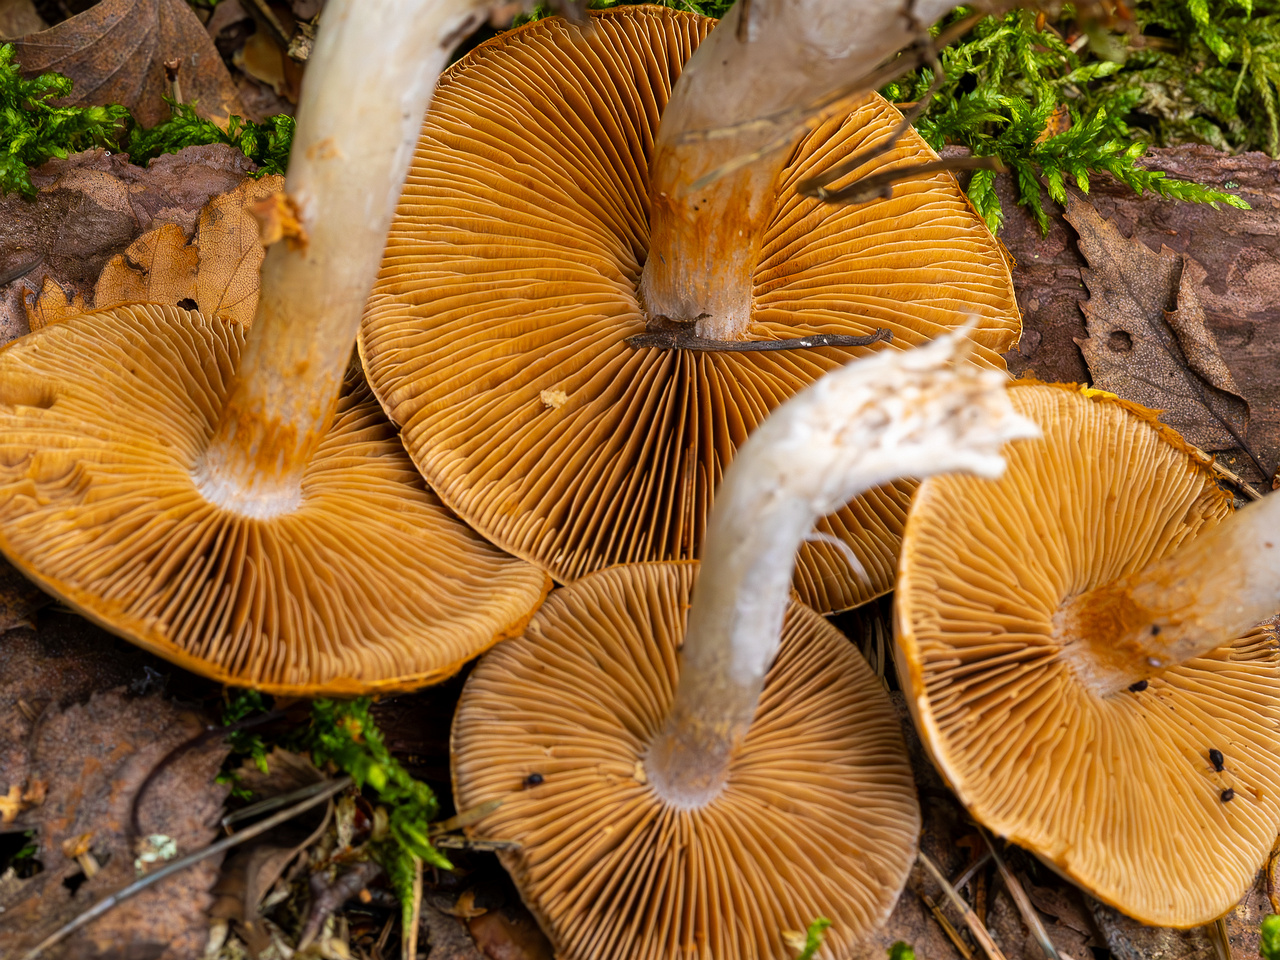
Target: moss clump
point(266, 144)
point(1015, 89)
point(33, 130)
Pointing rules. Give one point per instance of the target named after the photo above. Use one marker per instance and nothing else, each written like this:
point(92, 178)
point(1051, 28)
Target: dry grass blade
point(971, 920)
point(1029, 914)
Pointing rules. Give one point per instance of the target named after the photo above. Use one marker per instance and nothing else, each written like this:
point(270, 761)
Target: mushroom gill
point(497, 333)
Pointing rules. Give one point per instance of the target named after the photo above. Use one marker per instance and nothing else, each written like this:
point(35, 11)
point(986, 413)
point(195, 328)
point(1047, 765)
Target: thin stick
point(1020, 897)
point(688, 339)
point(133, 889)
point(977, 865)
point(1235, 480)
point(466, 817)
point(980, 932)
point(274, 803)
point(1220, 939)
point(947, 926)
point(881, 185)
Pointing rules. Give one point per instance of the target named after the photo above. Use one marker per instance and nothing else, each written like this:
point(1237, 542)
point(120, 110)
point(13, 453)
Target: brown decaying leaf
point(94, 757)
point(217, 271)
point(18, 17)
point(115, 52)
point(91, 207)
point(159, 266)
point(1148, 340)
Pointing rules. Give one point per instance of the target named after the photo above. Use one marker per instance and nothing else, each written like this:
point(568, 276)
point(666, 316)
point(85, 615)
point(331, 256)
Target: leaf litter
point(1148, 340)
point(115, 52)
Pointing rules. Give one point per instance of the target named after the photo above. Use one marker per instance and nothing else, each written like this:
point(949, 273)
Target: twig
point(1234, 479)
point(880, 185)
point(451, 841)
point(327, 897)
point(687, 339)
point(274, 803)
point(465, 818)
point(973, 868)
point(947, 926)
point(133, 889)
point(980, 932)
point(1220, 939)
point(1025, 907)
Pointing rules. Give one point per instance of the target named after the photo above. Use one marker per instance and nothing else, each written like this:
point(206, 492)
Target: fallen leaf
point(448, 935)
point(216, 272)
point(52, 304)
point(18, 17)
point(94, 758)
point(158, 267)
point(91, 207)
point(115, 53)
point(1148, 340)
point(231, 251)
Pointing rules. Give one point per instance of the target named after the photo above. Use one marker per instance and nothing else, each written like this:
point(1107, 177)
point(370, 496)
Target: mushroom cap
point(818, 818)
point(1117, 793)
point(370, 585)
point(495, 333)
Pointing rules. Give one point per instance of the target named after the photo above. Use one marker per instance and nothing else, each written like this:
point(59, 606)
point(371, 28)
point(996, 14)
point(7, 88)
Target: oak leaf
point(1148, 340)
point(115, 53)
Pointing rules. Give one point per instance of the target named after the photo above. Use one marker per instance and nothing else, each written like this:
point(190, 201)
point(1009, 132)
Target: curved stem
point(368, 84)
point(704, 242)
point(887, 416)
point(1206, 593)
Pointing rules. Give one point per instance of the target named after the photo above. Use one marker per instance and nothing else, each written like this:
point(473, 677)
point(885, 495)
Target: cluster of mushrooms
point(583, 327)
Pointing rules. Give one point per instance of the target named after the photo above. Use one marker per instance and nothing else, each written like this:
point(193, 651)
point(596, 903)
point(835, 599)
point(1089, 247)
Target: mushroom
point(217, 497)
point(651, 816)
point(506, 331)
point(1035, 686)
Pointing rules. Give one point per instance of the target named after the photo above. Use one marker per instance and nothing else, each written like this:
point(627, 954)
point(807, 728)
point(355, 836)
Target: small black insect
point(533, 779)
point(1139, 686)
point(1215, 757)
point(1155, 629)
point(1228, 795)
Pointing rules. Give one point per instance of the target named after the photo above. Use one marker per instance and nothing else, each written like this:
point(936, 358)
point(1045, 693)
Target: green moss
point(266, 144)
point(33, 130)
point(1005, 83)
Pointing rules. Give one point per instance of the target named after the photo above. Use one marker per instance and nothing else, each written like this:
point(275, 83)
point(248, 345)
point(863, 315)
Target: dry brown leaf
point(510, 934)
point(91, 207)
point(94, 758)
point(115, 52)
point(217, 271)
point(231, 251)
point(52, 304)
point(1148, 340)
point(159, 267)
point(18, 17)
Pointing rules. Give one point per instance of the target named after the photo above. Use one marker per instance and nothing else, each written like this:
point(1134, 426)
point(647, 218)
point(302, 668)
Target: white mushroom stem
point(368, 84)
point(1206, 593)
point(894, 414)
point(704, 243)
